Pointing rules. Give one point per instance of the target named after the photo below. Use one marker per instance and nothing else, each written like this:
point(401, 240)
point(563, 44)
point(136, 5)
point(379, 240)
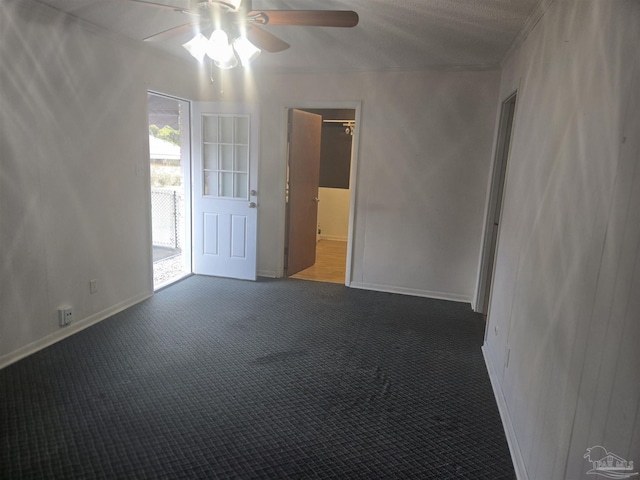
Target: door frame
point(497, 182)
point(353, 174)
point(186, 161)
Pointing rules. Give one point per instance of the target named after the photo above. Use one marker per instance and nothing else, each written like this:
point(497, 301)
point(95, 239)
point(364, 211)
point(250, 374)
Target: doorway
point(170, 173)
point(494, 208)
point(318, 199)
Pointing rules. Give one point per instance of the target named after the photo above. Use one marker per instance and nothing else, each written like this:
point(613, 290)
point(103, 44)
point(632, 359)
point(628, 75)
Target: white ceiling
point(391, 35)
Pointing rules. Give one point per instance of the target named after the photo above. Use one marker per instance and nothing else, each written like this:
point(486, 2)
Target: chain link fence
point(166, 209)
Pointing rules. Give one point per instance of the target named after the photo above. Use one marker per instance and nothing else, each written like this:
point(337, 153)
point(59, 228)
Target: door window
point(225, 146)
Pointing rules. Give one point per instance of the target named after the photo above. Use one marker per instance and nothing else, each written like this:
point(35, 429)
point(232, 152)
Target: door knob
point(253, 193)
point(317, 200)
point(252, 205)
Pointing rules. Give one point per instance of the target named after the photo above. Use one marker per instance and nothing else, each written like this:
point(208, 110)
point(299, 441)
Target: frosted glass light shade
point(197, 46)
point(246, 50)
point(227, 63)
point(218, 45)
point(220, 50)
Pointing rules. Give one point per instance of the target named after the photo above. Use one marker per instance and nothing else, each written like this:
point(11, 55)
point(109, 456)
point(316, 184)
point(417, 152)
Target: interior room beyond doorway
point(331, 258)
point(333, 197)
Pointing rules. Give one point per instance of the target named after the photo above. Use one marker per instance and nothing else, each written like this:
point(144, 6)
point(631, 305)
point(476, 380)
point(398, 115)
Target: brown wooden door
point(303, 178)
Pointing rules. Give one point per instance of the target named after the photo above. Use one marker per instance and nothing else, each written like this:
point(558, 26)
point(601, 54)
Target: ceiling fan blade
point(265, 40)
point(305, 18)
point(163, 6)
point(172, 32)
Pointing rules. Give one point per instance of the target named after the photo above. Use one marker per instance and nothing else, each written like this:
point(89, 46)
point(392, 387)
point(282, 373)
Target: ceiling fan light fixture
point(218, 47)
point(197, 46)
point(230, 4)
point(227, 63)
point(246, 50)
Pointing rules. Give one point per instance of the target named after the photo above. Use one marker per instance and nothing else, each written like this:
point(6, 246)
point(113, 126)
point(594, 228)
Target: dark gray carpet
point(215, 378)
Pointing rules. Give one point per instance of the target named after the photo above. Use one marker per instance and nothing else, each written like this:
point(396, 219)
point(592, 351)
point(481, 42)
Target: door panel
point(239, 236)
point(210, 234)
point(224, 184)
point(304, 177)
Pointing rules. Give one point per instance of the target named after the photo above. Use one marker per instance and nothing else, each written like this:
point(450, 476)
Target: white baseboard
point(411, 291)
point(507, 424)
point(335, 238)
point(267, 273)
point(75, 327)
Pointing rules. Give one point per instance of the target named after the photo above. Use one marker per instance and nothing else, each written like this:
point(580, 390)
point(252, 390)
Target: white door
point(225, 144)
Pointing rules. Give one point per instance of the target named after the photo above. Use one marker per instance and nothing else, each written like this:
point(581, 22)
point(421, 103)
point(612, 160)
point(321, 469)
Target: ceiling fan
point(222, 27)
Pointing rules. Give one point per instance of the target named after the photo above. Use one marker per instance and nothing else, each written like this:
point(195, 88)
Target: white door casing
point(225, 205)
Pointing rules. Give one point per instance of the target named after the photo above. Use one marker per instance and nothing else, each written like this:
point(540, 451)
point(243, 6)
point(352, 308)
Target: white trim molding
point(536, 14)
point(505, 416)
point(267, 274)
point(65, 332)
point(411, 291)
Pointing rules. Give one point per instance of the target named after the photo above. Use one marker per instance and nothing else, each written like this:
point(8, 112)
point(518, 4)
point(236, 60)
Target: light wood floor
point(331, 259)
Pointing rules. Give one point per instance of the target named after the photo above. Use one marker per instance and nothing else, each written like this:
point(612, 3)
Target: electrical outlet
point(65, 316)
point(93, 286)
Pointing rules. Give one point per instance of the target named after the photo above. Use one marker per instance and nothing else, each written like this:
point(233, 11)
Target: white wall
point(74, 197)
point(74, 185)
point(333, 213)
point(566, 298)
point(424, 154)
